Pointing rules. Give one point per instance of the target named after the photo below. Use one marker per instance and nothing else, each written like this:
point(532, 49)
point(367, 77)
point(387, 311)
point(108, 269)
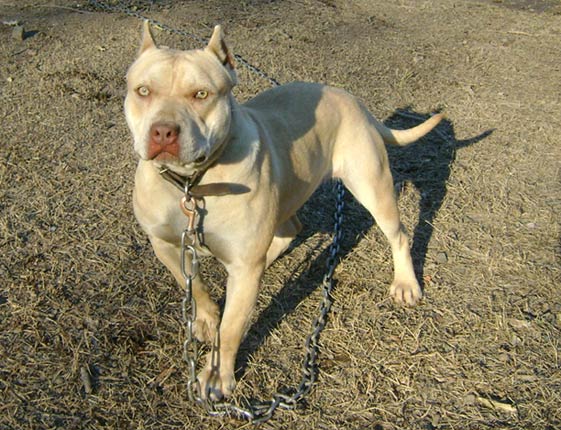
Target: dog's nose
point(163, 138)
point(164, 133)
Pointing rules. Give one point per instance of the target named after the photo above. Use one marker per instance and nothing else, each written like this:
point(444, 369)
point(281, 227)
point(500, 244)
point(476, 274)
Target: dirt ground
point(90, 321)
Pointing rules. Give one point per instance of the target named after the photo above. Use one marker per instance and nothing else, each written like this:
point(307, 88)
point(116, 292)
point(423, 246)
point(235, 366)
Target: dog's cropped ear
point(147, 38)
point(217, 46)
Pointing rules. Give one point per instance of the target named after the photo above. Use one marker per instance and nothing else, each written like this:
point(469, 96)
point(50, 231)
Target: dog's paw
point(406, 292)
point(206, 322)
point(215, 385)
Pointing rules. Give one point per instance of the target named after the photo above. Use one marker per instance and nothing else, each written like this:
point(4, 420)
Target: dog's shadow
point(425, 164)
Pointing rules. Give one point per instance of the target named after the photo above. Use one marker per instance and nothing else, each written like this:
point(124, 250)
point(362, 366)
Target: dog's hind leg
point(370, 181)
point(284, 235)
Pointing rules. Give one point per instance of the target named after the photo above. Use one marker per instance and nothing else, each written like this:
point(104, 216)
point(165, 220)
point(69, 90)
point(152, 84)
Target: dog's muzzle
point(164, 140)
point(164, 143)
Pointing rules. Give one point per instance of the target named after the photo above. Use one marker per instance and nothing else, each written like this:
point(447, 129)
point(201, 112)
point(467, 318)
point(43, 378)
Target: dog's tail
point(405, 137)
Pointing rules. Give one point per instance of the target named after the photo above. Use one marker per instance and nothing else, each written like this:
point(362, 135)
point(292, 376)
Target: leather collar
point(190, 185)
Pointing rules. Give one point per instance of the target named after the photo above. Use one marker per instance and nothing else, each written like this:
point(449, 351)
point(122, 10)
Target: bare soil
point(90, 321)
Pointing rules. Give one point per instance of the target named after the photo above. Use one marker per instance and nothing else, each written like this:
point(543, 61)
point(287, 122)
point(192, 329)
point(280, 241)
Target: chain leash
point(100, 5)
point(188, 305)
point(255, 411)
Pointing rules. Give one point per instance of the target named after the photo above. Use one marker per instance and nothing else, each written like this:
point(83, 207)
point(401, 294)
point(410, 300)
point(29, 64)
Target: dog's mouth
point(174, 163)
point(166, 156)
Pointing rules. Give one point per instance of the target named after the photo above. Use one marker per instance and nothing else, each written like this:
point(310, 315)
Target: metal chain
point(96, 4)
point(189, 305)
point(254, 411)
point(260, 411)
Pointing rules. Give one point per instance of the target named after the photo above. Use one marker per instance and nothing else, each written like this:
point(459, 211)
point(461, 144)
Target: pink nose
point(163, 138)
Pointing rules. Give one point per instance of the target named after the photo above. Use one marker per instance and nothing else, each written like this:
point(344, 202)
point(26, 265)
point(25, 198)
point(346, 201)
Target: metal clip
point(188, 205)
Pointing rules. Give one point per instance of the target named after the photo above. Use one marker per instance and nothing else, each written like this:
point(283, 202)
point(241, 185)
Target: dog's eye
point(143, 91)
point(201, 94)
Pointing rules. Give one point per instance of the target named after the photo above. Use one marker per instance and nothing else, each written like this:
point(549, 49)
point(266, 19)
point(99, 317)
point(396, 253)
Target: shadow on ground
point(426, 164)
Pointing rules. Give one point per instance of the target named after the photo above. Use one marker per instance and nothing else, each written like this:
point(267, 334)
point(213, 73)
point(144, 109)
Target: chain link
point(255, 411)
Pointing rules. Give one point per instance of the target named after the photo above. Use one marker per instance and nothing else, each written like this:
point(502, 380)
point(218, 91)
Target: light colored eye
point(143, 91)
point(201, 94)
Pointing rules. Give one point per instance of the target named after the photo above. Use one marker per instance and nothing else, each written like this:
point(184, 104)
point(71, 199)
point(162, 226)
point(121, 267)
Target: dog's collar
point(190, 185)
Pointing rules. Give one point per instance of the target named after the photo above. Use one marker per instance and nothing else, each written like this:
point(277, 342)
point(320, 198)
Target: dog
point(278, 148)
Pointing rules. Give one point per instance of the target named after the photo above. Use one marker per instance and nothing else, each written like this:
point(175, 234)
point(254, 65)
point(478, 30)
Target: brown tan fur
point(280, 145)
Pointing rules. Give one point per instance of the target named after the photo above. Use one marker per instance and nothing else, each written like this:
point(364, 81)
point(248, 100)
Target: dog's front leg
point(206, 323)
point(217, 378)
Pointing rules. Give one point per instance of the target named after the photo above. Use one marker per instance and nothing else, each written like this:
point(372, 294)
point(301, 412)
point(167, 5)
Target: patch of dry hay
point(90, 321)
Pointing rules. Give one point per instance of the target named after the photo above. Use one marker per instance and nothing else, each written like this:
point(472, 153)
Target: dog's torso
point(281, 146)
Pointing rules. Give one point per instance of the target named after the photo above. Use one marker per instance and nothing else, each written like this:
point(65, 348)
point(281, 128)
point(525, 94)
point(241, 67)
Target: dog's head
point(178, 103)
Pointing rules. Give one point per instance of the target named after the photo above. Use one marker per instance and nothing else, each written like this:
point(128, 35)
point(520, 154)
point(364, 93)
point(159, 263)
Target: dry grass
point(90, 321)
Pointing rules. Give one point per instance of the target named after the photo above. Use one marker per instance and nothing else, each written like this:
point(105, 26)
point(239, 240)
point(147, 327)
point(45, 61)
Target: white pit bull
point(278, 148)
